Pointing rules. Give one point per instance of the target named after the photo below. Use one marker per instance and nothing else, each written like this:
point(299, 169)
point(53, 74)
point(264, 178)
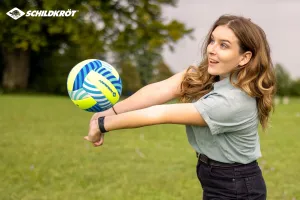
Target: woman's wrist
point(101, 124)
point(109, 123)
point(112, 111)
point(108, 112)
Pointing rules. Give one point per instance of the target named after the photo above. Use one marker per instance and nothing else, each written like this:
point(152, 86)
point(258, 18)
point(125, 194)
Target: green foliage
point(295, 88)
point(97, 24)
point(286, 86)
point(283, 80)
point(161, 72)
point(50, 73)
point(1, 67)
point(135, 28)
point(35, 33)
point(130, 78)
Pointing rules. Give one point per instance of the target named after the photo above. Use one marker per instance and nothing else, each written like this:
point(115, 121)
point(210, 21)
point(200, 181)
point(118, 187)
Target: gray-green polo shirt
point(232, 131)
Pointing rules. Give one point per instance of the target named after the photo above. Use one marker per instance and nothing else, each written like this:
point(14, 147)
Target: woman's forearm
point(143, 98)
point(184, 113)
point(147, 96)
point(150, 95)
point(133, 119)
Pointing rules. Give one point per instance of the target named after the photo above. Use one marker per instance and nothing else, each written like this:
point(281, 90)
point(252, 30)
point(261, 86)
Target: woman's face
point(223, 52)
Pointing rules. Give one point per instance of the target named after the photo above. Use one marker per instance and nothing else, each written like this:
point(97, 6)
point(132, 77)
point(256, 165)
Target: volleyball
point(94, 85)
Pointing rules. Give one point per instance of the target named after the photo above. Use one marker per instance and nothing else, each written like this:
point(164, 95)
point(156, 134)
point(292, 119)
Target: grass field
point(43, 156)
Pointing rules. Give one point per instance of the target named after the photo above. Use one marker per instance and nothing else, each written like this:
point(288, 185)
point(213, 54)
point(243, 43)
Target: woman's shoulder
point(227, 108)
point(232, 97)
point(235, 93)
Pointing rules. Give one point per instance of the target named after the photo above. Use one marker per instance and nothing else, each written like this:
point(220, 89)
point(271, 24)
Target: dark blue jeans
point(236, 182)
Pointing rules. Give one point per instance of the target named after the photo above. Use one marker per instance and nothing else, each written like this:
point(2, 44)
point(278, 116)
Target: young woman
point(223, 100)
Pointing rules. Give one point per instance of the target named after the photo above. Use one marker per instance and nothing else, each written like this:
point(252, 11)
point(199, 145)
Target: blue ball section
point(95, 108)
point(94, 92)
point(107, 74)
point(78, 94)
point(94, 65)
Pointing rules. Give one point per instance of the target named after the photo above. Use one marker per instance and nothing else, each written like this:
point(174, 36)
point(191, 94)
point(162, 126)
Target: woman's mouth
point(212, 62)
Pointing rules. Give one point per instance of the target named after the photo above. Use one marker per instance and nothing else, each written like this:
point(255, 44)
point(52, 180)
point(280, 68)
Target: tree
point(295, 88)
point(49, 73)
point(98, 28)
point(130, 78)
point(161, 72)
point(283, 80)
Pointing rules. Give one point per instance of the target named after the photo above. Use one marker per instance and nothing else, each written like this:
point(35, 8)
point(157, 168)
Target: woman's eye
point(211, 41)
point(223, 45)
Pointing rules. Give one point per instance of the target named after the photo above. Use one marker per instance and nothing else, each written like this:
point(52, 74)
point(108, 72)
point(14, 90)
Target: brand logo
point(114, 94)
point(16, 13)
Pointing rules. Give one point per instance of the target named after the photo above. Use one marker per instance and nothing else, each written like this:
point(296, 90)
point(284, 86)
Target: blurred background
point(42, 155)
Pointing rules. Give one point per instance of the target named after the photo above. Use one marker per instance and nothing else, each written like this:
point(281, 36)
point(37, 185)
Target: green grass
point(43, 155)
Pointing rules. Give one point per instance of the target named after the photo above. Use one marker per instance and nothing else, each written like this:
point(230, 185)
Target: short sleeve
point(226, 113)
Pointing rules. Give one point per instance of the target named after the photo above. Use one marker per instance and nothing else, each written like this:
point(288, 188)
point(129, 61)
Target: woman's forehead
point(224, 33)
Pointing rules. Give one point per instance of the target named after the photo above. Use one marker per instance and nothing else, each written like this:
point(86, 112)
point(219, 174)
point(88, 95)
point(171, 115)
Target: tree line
point(286, 86)
point(37, 53)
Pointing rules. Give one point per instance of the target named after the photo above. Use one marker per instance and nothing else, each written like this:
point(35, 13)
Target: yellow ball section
point(85, 103)
point(105, 86)
point(73, 73)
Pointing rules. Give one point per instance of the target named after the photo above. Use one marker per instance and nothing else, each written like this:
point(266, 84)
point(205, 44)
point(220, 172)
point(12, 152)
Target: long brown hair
point(256, 78)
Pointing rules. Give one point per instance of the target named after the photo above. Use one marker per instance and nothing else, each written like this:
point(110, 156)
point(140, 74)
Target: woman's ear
point(245, 58)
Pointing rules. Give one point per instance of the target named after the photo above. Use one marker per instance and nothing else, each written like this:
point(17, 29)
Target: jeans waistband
point(204, 159)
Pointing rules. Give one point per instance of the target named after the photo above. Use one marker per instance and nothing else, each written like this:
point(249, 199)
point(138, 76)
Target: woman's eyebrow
point(222, 40)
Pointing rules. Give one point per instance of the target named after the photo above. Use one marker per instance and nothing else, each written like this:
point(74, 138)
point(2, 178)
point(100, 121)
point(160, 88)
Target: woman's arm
point(183, 113)
point(150, 95)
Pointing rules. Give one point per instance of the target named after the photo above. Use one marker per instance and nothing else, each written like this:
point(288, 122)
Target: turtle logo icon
point(15, 13)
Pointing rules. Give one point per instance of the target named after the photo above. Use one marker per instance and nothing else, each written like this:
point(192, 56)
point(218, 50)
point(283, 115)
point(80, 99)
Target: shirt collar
point(224, 83)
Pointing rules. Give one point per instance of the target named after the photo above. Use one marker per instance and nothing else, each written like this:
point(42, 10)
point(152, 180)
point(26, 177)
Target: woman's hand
point(94, 135)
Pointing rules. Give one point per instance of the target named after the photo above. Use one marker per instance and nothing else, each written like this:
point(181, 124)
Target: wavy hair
point(256, 78)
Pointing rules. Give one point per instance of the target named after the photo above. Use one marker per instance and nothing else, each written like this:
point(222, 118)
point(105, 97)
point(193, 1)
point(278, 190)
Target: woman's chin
point(212, 71)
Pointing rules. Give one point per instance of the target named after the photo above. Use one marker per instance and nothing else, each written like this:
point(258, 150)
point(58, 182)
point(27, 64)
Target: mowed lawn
point(43, 155)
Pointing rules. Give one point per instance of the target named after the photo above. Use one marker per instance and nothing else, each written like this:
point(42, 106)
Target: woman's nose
point(212, 49)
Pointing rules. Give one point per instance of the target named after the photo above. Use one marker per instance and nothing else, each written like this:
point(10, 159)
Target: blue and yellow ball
point(94, 85)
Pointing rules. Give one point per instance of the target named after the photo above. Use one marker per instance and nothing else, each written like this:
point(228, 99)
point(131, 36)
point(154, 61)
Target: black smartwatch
point(101, 124)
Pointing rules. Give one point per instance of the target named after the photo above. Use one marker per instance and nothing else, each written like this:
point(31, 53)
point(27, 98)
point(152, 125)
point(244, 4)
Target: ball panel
point(86, 69)
point(104, 85)
point(78, 94)
point(115, 81)
point(85, 103)
point(73, 73)
point(97, 64)
point(118, 85)
point(97, 95)
point(110, 68)
point(95, 108)
point(93, 91)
